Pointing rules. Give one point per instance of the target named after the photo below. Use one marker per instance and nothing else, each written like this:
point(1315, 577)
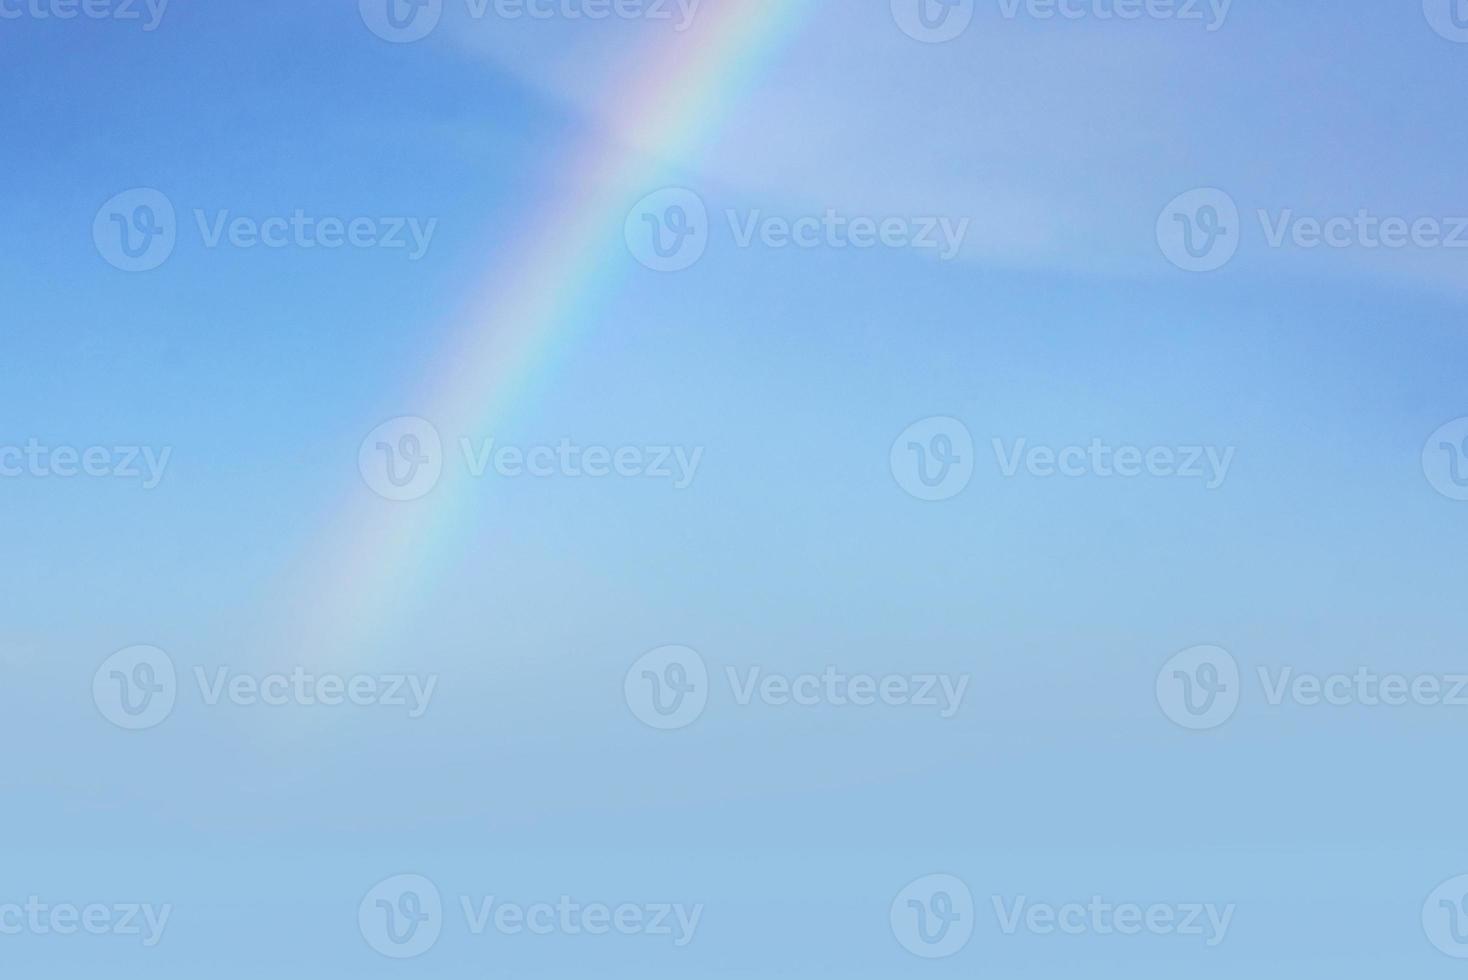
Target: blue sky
point(1326, 548)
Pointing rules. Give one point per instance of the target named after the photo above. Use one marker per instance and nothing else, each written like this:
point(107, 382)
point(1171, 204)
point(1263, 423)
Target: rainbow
point(378, 556)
